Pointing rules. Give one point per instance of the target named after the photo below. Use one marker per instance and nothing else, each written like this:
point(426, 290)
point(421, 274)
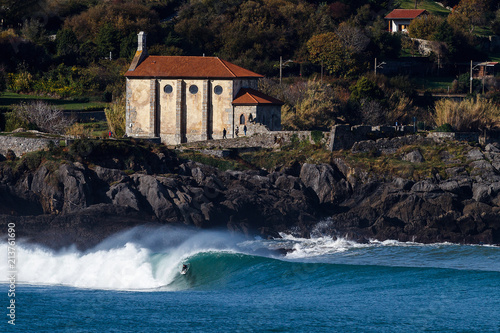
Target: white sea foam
point(136, 260)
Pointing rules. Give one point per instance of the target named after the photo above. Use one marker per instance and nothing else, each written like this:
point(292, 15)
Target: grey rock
point(77, 192)
point(475, 155)
point(109, 175)
point(492, 148)
point(156, 195)
point(425, 186)
point(322, 180)
point(122, 195)
point(481, 192)
point(414, 157)
point(402, 184)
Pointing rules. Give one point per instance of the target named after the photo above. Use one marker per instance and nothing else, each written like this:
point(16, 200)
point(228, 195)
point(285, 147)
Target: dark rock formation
point(75, 201)
point(82, 203)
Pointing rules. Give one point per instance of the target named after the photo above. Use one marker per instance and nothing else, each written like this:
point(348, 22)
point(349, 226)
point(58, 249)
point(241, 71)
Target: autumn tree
point(424, 27)
point(338, 51)
point(468, 14)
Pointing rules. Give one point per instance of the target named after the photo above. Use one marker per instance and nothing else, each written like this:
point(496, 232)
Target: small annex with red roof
point(183, 99)
point(400, 19)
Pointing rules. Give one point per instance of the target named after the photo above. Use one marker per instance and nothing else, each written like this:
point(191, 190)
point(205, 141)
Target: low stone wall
point(345, 136)
point(271, 139)
point(466, 136)
point(21, 146)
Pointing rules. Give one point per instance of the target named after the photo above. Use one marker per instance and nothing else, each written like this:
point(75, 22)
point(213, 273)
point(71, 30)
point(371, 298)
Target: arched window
point(250, 117)
point(242, 119)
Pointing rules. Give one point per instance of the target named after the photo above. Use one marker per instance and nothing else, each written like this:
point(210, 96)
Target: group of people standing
point(236, 131)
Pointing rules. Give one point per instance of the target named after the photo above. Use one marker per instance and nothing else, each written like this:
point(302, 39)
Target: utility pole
point(321, 71)
point(378, 65)
point(281, 68)
point(471, 77)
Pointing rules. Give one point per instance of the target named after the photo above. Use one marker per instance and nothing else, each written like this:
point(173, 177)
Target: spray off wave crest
point(150, 259)
point(139, 259)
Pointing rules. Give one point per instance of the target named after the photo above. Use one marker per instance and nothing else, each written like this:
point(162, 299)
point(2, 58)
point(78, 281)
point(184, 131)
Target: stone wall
point(345, 136)
point(465, 136)
point(273, 139)
point(21, 146)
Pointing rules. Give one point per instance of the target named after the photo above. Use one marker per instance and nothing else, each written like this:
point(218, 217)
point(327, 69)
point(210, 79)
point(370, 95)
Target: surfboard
point(185, 270)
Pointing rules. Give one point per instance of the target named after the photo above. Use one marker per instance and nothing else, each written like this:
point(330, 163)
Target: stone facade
point(345, 136)
point(164, 102)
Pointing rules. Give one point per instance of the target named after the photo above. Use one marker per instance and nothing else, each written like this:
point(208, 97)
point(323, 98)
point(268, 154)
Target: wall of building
point(222, 108)
point(140, 97)
point(179, 115)
point(395, 25)
point(244, 83)
point(167, 104)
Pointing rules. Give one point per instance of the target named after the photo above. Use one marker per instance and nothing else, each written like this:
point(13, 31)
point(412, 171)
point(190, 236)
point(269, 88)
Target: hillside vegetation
point(79, 50)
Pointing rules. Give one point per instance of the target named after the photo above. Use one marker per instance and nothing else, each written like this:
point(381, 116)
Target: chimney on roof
point(141, 41)
point(142, 51)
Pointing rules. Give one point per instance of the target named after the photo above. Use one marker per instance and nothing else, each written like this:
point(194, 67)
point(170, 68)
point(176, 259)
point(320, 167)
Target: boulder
point(414, 157)
point(328, 184)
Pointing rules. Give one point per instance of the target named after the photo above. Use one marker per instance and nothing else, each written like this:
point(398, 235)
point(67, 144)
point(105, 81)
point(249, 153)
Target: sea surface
point(132, 283)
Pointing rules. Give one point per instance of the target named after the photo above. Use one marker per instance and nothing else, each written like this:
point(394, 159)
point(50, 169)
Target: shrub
point(444, 128)
point(22, 82)
point(316, 136)
point(10, 156)
point(44, 116)
point(467, 115)
point(115, 116)
point(78, 130)
point(13, 122)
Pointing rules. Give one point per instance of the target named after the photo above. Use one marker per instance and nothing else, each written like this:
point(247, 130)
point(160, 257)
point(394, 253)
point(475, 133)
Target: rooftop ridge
point(226, 67)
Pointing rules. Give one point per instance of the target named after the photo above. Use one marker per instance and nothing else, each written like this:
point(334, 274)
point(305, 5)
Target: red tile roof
point(189, 67)
point(249, 96)
point(405, 14)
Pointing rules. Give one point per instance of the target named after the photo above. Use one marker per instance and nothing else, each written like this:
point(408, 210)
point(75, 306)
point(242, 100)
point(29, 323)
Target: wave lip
point(151, 260)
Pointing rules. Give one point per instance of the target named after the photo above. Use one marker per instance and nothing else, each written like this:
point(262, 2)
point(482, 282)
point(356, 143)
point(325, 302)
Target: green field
point(10, 98)
point(430, 6)
point(434, 83)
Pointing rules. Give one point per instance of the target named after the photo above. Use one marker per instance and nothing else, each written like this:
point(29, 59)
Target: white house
point(400, 19)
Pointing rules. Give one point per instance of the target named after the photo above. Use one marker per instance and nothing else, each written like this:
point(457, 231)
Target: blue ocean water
point(132, 283)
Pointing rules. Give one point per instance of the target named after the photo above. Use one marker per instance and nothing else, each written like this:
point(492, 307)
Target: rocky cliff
point(83, 200)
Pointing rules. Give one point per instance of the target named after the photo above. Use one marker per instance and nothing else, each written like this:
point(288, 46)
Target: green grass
point(10, 98)
point(431, 6)
point(391, 166)
point(483, 31)
point(98, 129)
point(434, 83)
point(223, 164)
point(494, 57)
point(301, 152)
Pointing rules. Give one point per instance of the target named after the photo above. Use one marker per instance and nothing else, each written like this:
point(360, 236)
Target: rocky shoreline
point(83, 202)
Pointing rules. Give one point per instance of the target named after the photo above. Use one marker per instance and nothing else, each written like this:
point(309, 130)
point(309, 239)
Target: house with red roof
point(183, 99)
point(400, 19)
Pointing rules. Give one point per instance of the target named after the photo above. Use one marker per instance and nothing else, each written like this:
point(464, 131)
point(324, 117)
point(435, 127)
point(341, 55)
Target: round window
point(218, 90)
point(193, 89)
point(168, 89)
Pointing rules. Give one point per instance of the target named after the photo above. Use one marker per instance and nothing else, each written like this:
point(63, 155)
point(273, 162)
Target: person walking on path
point(245, 129)
point(237, 131)
point(224, 132)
